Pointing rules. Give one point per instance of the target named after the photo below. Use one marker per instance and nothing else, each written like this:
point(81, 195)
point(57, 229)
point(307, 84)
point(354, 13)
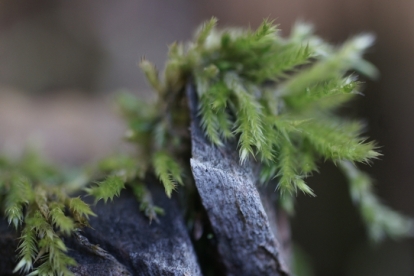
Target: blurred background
point(62, 62)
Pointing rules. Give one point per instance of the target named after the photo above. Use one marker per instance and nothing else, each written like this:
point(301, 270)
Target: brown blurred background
point(61, 63)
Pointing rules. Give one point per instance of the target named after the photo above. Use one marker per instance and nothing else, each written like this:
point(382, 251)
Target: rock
point(228, 192)
point(159, 248)
point(8, 245)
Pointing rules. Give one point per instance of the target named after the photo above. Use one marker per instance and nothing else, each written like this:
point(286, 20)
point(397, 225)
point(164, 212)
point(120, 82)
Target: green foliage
point(146, 203)
point(19, 194)
point(36, 202)
point(167, 170)
point(120, 171)
point(381, 221)
point(80, 210)
point(60, 220)
point(290, 179)
point(276, 97)
point(27, 249)
point(157, 132)
point(108, 188)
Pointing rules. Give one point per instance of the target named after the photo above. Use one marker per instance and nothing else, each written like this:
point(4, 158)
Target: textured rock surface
point(8, 245)
point(228, 192)
point(279, 224)
point(162, 248)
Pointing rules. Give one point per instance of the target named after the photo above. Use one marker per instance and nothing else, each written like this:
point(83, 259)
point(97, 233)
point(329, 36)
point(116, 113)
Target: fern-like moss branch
point(37, 200)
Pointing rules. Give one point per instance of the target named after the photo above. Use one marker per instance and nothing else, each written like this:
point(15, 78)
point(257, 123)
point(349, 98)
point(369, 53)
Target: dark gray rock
point(8, 245)
point(228, 192)
point(279, 224)
point(134, 245)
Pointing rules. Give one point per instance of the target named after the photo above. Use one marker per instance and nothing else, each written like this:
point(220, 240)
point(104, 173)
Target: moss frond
point(57, 258)
point(209, 120)
point(55, 261)
point(332, 140)
point(167, 170)
point(28, 248)
point(380, 220)
point(20, 193)
point(146, 203)
point(65, 224)
point(249, 122)
point(213, 110)
point(79, 210)
point(290, 178)
point(39, 241)
point(325, 95)
point(107, 188)
point(330, 66)
point(205, 30)
point(152, 74)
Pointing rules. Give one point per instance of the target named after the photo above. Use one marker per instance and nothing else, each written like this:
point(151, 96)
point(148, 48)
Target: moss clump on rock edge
point(275, 97)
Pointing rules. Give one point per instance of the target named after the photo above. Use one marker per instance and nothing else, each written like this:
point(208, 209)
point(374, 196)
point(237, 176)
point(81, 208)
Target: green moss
point(275, 96)
point(35, 200)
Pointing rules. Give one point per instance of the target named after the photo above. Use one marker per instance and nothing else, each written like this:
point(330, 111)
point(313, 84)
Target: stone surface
point(159, 248)
point(8, 245)
point(228, 192)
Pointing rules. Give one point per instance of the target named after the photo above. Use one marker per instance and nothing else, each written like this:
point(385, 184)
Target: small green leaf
point(146, 204)
point(107, 189)
point(336, 140)
point(19, 195)
point(380, 220)
point(167, 170)
point(152, 75)
point(60, 220)
point(79, 208)
point(289, 174)
point(27, 250)
point(205, 31)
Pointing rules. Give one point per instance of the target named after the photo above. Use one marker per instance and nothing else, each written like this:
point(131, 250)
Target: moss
point(275, 97)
